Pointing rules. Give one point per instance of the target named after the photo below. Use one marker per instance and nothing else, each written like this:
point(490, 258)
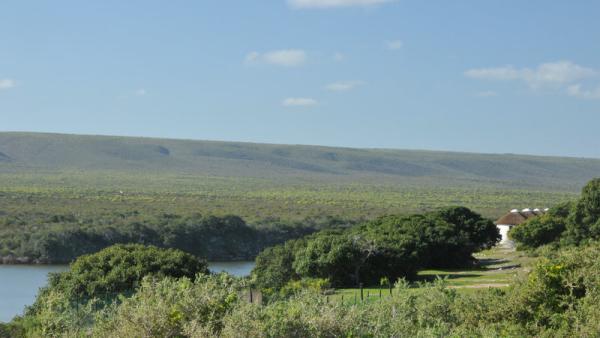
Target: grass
point(499, 267)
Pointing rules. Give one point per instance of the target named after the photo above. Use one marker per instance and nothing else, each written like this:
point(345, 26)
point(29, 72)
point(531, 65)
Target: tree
point(273, 267)
point(330, 255)
point(583, 223)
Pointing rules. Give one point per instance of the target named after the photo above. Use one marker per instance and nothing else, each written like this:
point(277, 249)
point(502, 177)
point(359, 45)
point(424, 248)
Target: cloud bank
point(299, 102)
point(546, 74)
point(577, 91)
point(282, 57)
point(6, 84)
point(564, 75)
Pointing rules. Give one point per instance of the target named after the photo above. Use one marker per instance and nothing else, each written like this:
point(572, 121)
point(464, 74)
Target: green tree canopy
point(584, 221)
point(392, 247)
point(121, 268)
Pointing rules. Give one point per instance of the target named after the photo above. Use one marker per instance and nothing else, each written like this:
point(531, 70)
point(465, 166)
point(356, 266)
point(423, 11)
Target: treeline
point(387, 248)
point(559, 298)
point(568, 224)
point(62, 238)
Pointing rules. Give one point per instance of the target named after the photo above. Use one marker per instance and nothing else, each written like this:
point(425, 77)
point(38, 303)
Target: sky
point(497, 76)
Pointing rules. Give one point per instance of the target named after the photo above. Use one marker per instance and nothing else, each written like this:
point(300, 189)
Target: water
point(239, 269)
point(19, 284)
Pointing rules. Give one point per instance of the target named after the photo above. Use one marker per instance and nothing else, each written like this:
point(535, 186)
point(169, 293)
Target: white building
point(515, 217)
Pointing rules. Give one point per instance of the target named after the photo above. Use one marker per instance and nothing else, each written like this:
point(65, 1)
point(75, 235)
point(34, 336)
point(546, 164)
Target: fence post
point(379, 291)
point(251, 300)
point(361, 292)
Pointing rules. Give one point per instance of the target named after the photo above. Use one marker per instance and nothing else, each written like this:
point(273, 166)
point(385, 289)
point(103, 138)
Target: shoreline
point(15, 260)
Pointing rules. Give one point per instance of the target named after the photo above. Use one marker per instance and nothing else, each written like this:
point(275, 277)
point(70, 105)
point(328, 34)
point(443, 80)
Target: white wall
point(503, 228)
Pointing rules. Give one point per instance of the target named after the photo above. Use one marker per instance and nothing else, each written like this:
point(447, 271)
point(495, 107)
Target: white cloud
point(576, 91)
point(334, 3)
point(299, 102)
point(286, 57)
point(338, 57)
point(394, 44)
point(341, 86)
point(141, 92)
point(552, 73)
point(498, 73)
point(6, 84)
point(283, 57)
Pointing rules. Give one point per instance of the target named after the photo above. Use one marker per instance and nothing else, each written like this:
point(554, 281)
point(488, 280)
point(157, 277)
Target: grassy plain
point(92, 193)
point(90, 175)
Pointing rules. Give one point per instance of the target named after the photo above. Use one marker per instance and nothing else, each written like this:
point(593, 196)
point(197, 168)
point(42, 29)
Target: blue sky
point(480, 76)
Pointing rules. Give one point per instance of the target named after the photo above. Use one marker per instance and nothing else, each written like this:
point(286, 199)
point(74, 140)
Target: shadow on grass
point(433, 277)
point(485, 262)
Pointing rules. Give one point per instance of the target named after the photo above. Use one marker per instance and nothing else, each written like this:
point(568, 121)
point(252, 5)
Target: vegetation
point(94, 176)
point(390, 247)
point(34, 152)
point(558, 298)
point(565, 225)
point(62, 238)
point(104, 277)
point(542, 230)
point(120, 268)
point(62, 196)
point(320, 218)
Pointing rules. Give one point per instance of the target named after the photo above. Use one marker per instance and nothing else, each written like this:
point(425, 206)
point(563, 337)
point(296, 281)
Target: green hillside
point(35, 151)
point(259, 181)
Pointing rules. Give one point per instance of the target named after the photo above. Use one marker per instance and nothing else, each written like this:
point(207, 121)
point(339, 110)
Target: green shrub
point(545, 229)
point(173, 308)
point(120, 268)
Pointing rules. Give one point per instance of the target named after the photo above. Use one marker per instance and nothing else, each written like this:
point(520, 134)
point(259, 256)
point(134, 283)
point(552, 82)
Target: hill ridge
point(30, 151)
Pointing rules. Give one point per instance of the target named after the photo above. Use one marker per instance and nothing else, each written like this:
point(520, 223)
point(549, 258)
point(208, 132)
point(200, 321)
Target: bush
point(545, 229)
point(173, 308)
point(559, 290)
point(120, 268)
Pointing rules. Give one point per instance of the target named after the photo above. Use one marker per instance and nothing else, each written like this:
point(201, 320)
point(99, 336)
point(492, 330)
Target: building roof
point(515, 217)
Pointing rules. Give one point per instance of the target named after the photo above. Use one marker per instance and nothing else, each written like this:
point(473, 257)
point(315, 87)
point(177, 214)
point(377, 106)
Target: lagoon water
point(19, 284)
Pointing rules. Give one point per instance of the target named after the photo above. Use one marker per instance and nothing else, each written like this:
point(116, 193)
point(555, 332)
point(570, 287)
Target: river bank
point(21, 282)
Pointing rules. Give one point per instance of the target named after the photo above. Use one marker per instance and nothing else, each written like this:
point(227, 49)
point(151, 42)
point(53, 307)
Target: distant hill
point(23, 152)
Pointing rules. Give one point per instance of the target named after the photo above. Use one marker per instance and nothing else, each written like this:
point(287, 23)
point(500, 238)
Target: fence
point(362, 295)
point(250, 295)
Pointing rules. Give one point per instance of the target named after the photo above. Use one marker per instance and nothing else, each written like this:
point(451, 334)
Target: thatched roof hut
point(515, 217)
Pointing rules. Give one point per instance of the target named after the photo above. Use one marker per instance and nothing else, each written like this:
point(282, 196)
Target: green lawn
point(498, 269)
